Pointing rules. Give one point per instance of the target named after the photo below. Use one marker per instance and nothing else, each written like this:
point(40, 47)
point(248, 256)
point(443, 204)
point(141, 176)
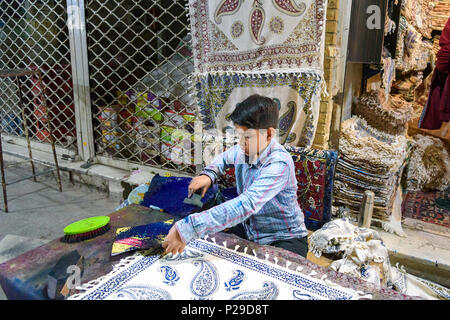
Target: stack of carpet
point(369, 159)
point(413, 52)
point(416, 50)
point(440, 14)
point(418, 12)
point(406, 87)
point(388, 114)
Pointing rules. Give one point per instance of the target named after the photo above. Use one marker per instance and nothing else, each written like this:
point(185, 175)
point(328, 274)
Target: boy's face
point(253, 141)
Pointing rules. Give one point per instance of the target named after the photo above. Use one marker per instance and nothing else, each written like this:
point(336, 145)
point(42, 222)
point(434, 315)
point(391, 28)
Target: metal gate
point(139, 63)
point(34, 35)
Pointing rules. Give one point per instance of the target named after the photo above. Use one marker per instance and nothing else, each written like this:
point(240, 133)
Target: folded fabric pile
point(418, 12)
point(436, 46)
point(368, 160)
point(440, 14)
point(416, 50)
point(389, 115)
point(429, 166)
point(360, 252)
point(425, 55)
point(406, 87)
point(411, 50)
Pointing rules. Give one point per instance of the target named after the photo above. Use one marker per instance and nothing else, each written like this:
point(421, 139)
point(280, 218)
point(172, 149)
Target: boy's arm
point(274, 178)
point(222, 162)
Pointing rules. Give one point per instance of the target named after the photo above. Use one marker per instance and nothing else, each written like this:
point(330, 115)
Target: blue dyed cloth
point(168, 193)
point(140, 237)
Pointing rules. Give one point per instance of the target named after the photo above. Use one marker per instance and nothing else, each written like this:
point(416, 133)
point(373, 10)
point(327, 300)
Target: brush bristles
point(85, 236)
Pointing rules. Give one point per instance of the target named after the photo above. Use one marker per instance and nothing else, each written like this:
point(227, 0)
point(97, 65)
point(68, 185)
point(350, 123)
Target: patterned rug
point(208, 271)
point(421, 206)
point(390, 115)
point(272, 48)
point(314, 170)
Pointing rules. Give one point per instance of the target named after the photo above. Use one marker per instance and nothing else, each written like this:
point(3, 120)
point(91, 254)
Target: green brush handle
point(86, 225)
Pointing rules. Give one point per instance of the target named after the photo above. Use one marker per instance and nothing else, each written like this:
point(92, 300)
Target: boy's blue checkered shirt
point(267, 201)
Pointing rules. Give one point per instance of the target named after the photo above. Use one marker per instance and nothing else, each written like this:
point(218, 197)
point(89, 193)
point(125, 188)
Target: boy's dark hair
point(256, 112)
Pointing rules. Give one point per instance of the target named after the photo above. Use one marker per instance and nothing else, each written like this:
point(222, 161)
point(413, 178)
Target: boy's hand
point(201, 182)
point(173, 243)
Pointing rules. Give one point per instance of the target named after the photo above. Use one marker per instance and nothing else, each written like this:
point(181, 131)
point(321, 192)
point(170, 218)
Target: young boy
point(266, 210)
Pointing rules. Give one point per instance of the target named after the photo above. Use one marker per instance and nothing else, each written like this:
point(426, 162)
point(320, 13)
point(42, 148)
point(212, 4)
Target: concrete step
point(423, 254)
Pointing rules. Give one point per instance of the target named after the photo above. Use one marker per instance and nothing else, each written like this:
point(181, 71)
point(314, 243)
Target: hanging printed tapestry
point(256, 35)
point(207, 271)
point(296, 97)
point(272, 48)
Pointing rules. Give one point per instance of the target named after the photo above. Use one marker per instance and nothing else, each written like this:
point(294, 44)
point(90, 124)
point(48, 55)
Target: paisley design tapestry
point(208, 271)
point(296, 96)
point(273, 48)
point(257, 35)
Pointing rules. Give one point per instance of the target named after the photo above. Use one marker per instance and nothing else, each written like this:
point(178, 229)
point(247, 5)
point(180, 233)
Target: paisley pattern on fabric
point(141, 292)
point(235, 282)
point(297, 294)
point(257, 17)
point(227, 7)
point(291, 7)
point(292, 137)
point(206, 281)
point(298, 45)
point(170, 275)
point(261, 47)
point(268, 292)
point(286, 121)
point(217, 96)
point(253, 278)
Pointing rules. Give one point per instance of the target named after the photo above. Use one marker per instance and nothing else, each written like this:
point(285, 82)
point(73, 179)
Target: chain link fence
point(139, 63)
point(34, 35)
